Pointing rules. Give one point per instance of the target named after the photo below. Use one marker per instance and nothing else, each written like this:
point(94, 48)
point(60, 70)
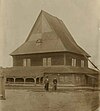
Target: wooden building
point(50, 50)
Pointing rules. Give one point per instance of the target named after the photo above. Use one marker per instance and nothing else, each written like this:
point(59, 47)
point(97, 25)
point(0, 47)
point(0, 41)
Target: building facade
point(50, 50)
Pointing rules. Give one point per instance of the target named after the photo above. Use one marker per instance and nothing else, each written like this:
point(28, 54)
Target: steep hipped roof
point(54, 37)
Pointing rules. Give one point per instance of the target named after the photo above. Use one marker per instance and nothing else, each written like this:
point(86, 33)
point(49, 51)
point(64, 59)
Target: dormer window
point(39, 42)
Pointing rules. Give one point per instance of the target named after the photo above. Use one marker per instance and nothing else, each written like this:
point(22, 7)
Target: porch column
point(35, 80)
point(39, 80)
point(64, 59)
point(2, 87)
point(24, 80)
point(14, 80)
point(73, 76)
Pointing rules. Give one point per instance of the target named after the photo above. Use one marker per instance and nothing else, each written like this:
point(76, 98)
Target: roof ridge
point(44, 12)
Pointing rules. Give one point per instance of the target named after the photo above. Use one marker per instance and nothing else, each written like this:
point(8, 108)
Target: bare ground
point(28, 100)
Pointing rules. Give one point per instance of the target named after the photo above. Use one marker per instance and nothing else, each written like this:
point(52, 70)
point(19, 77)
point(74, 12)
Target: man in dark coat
point(55, 83)
point(46, 83)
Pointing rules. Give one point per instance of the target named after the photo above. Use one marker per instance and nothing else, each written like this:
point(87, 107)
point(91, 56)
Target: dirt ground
point(28, 100)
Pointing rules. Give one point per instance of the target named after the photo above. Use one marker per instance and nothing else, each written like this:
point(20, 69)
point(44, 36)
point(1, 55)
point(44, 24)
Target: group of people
point(46, 84)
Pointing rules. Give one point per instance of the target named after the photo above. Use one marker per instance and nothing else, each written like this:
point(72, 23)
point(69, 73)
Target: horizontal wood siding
point(56, 59)
point(17, 61)
point(78, 58)
point(37, 59)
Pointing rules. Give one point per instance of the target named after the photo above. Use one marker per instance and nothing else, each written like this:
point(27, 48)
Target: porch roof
point(35, 71)
point(23, 71)
point(69, 70)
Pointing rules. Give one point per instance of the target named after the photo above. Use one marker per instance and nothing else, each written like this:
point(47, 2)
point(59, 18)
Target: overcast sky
point(81, 17)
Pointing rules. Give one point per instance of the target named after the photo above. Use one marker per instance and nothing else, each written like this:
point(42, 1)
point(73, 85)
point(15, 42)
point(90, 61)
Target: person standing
point(46, 83)
point(55, 84)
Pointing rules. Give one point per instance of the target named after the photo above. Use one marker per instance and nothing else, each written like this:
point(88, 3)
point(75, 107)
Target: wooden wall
point(56, 59)
point(74, 79)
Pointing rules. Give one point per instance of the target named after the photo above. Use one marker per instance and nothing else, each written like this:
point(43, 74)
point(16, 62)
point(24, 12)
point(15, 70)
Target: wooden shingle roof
point(54, 35)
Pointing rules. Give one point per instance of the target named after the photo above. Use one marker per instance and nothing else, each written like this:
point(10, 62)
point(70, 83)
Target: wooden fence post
point(2, 85)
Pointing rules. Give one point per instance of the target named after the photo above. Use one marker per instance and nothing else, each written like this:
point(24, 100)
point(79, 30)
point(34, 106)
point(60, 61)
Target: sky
point(81, 17)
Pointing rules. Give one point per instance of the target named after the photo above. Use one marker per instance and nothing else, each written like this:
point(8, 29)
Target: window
point(62, 79)
point(68, 79)
point(26, 62)
point(46, 61)
point(49, 61)
point(82, 63)
point(73, 62)
point(78, 79)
